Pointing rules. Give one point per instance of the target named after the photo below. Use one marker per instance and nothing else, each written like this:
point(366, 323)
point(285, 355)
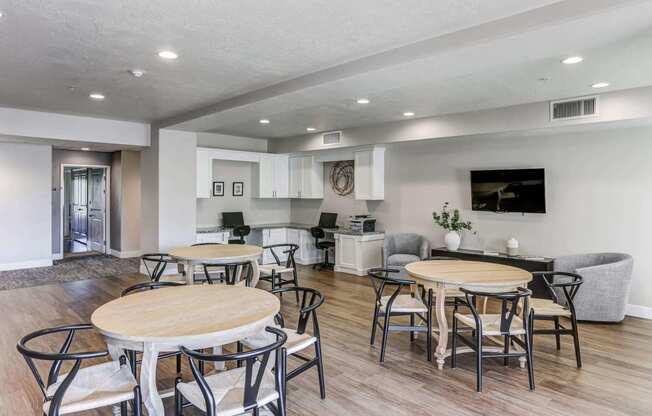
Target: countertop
point(296, 226)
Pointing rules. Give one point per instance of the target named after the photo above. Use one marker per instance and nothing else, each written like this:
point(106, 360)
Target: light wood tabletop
point(474, 273)
point(217, 254)
point(200, 316)
point(445, 276)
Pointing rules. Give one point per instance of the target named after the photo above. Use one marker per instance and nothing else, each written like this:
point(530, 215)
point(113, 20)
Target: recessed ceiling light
point(600, 85)
point(97, 96)
point(86, 149)
point(408, 114)
point(572, 60)
point(168, 55)
point(310, 129)
point(137, 72)
point(263, 121)
point(1, 14)
point(363, 101)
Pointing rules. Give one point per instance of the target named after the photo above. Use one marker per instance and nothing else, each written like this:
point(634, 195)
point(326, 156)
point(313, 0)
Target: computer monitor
point(232, 219)
point(328, 220)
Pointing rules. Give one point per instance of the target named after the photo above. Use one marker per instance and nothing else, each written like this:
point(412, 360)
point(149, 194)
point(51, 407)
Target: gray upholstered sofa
point(604, 293)
point(403, 248)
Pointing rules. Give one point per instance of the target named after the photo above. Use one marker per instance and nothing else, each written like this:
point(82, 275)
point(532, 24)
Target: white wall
point(225, 141)
point(255, 210)
point(25, 206)
point(598, 194)
point(125, 203)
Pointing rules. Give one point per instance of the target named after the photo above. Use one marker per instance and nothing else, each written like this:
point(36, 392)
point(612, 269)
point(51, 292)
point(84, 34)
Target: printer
point(362, 223)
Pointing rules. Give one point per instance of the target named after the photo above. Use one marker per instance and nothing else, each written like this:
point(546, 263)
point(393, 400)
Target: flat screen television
point(509, 190)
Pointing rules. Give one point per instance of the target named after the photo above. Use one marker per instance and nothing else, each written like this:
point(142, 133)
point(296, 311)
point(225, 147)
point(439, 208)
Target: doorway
point(84, 211)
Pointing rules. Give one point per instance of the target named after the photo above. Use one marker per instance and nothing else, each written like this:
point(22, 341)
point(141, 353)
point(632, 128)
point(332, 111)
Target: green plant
point(450, 220)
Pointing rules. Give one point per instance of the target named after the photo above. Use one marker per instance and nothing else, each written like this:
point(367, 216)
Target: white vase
point(452, 240)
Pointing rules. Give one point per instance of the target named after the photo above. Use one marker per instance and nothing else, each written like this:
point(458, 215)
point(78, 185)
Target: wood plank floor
point(616, 378)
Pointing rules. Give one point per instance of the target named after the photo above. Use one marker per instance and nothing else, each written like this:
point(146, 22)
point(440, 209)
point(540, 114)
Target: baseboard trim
point(26, 264)
point(57, 256)
point(639, 311)
point(125, 254)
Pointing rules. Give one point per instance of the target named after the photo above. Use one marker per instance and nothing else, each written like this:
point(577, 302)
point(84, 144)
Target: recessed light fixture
point(263, 121)
point(1, 14)
point(86, 149)
point(310, 129)
point(168, 55)
point(137, 72)
point(363, 101)
point(96, 96)
point(600, 85)
point(408, 114)
point(572, 60)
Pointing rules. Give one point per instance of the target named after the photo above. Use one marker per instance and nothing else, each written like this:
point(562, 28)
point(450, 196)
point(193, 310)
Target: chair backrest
point(382, 279)
point(255, 366)
point(404, 243)
point(141, 287)
point(57, 358)
point(566, 283)
point(285, 248)
point(234, 273)
point(241, 231)
point(155, 264)
point(508, 305)
point(317, 233)
point(311, 299)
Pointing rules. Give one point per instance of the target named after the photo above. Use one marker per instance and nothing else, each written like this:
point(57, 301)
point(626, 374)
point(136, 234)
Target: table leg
point(255, 272)
point(151, 396)
point(219, 365)
point(190, 272)
point(440, 311)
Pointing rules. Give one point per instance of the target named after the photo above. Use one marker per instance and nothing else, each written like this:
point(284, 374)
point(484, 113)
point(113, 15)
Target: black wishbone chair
point(239, 390)
point(398, 304)
point(506, 324)
point(299, 339)
point(241, 273)
point(155, 264)
point(80, 389)
point(551, 310)
point(216, 268)
point(142, 287)
point(273, 273)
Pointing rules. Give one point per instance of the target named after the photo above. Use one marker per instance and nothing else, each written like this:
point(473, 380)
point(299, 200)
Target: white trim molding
point(57, 256)
point(125, 254)
point(26, 264)
point(639, 311)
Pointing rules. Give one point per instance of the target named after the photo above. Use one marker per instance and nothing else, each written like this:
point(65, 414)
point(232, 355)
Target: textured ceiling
point(502, 71)
point(226, 48)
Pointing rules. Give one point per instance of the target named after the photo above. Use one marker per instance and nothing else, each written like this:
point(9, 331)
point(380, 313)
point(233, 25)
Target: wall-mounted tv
point(508, 190)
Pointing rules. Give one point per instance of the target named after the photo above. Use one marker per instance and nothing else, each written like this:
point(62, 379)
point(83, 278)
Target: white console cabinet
point(356, 254)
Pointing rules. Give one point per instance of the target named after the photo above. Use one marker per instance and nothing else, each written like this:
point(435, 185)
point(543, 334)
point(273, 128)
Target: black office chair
point(241, 231)
point(318, 233)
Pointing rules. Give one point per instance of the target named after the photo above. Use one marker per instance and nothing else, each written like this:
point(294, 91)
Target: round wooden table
point(217, 254)
point(448, 275)
point(162, 320)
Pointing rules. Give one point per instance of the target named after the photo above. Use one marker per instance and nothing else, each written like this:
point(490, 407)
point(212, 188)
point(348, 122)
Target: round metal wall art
point(341, 177)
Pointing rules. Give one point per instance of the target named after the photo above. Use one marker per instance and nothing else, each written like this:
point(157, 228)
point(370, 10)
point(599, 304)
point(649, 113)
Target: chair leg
point(429, 323)
point(411, 324)
point(178, 399)
point(255, 411)
point(138, 402)
point(557, 337)
point(528, 356)
point(179, 364)
point(385, 337)
point(506, 350)
point(123, 409)
point(478, 364)
point(576, 342)
point(374, 325)
point(296, 282)
point(320, 369)
point(454, 343)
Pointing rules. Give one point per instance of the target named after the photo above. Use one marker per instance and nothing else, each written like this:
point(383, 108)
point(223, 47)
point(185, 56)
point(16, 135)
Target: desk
point(448, 275)
point(193, 316)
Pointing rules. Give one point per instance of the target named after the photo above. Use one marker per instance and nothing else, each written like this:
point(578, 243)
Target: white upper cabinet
point(271, 176)
point(204, 174)
point(369, 173)
point(306, 178)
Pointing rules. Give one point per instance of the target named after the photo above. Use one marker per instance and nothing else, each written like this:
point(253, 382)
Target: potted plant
point(450, 221)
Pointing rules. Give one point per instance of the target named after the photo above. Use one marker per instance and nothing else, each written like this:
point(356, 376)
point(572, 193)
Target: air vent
point(574, 108)
point(332, 137)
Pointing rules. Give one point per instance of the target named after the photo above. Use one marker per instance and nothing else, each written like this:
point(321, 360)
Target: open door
point(79, 225)
point(97, 209)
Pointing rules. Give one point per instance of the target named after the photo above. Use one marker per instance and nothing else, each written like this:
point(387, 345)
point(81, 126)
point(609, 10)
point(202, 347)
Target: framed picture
point(218, 188)
point(238, 188)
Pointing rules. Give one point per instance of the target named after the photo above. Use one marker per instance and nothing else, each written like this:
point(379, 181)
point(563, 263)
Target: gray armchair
point(604, 293)
point(401, 249)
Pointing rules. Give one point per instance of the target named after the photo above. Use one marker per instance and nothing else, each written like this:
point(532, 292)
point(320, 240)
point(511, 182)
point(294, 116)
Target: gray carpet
point(68, 270)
